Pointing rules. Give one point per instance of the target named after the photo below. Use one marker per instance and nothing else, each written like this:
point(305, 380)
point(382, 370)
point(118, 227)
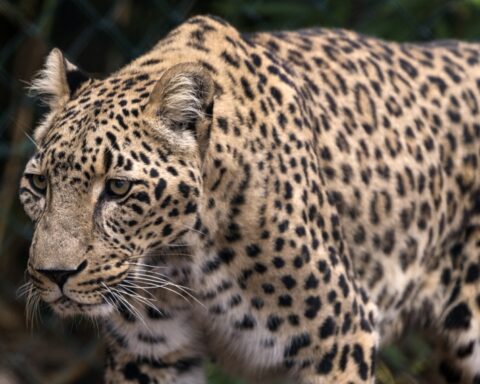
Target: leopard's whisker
point(165, 283)
point(127, 291)
point(153, 255)
point(148, 265)
point(156, 284)
point(194, 230)
point(153, 274)
point(147, 272)
point(130, 283)
point(114, 292)
point(108, 301)
point(24, 289)
point(32, 307)
point(158, 277)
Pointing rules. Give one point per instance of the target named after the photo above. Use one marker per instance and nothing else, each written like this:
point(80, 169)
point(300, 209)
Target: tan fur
point(295, 200)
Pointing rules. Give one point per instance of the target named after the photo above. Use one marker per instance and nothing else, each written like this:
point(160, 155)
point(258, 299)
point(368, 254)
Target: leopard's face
point(109, 187)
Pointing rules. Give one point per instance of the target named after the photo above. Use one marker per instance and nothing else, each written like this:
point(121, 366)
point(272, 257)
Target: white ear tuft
point(182, 101)
point(182, 96)
point(58, 80)
point(51, 82)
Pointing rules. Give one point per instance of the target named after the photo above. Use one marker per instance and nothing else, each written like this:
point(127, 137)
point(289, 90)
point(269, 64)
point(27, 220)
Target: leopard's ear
point(58, 80)
point(183, 100)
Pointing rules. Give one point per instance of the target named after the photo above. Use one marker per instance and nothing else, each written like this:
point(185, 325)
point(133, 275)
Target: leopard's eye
point(117, 188)
point(38, 182)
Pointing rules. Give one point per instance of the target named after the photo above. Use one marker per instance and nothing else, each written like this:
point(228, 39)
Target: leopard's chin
point(66, 307)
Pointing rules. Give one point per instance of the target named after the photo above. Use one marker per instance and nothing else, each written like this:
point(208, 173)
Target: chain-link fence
point(100, 36)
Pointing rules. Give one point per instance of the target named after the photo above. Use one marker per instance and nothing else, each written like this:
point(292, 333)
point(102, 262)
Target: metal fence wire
point(102, 35)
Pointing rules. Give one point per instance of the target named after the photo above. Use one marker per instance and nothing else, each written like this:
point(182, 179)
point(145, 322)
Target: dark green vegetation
point(102, 35)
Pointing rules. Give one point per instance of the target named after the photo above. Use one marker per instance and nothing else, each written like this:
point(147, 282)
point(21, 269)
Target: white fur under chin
point(94, 311)
point(176, 333)
point(240, 352)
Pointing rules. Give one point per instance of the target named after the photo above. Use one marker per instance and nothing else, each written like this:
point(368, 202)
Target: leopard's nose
point(60, 276)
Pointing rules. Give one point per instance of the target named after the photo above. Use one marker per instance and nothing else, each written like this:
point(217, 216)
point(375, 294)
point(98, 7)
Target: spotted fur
point(316, 192)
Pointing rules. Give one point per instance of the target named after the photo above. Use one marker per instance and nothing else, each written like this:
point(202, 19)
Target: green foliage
point(215, 376)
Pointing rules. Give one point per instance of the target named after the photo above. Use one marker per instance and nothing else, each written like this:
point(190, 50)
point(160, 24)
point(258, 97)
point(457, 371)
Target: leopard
point(281, 203)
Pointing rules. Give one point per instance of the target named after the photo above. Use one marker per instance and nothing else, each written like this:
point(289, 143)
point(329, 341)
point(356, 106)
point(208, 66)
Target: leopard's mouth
point(65, 306)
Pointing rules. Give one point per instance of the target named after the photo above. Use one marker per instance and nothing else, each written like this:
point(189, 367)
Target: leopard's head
point(115, 178)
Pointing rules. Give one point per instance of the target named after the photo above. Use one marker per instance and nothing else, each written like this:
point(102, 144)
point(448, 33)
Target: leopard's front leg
point(180, 367)
point(154, 346)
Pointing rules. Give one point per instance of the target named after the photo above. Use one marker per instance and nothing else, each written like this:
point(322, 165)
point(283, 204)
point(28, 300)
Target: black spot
point(248, 322)
point(211, 265)
point(297, 342)
point(459, 317)
point(347, 323)
point(257, 303)
point(300, 230)
point(256, 59)
point(332, 296)
point(288, 191)
point(223, 124)
point(473, 273)
point(274, 322)
point(260, 268)
point(277, 95)
point(132, 372)
point(142, 197)
point(167, 230)
point(161, 185)
point(113, 140)
point(293, 320)
point(190, 208)
point(439, 82)
point(226, 255)
point(184, 189)
point(233, 232)
point(279, 242)
point(107, 160)
point(325, 366)
point(285, 300)
point(408, 68)
point(230, 60)
point(157, 314)
point(144, 158)
point(288, 281)
point(465, 350)
point(120, 120)
point(235, 300)
point(253, 250)
point(344, 357)
point(450, 374)
point(454, 116)
point(313, 306)
point(358, 357)
point(311, 282)
point(172, 170)
point(343, 285)
point(247, 90)
point(327, 329)
point(278, 262)
point(268, 288)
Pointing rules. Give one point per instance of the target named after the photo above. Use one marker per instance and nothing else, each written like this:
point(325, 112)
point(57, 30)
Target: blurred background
point(101, 36)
